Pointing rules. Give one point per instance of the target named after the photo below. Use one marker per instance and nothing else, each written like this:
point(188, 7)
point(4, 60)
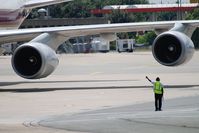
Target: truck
point(7, 49)
point(125, 45)
point(100, 45)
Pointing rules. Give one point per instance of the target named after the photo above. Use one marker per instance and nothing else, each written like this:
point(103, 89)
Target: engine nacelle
point(172, 48)
point(34, 60)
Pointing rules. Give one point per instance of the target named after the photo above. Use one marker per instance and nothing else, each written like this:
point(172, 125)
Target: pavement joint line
point(161, 124)
point(135, 116)
point(167, 111)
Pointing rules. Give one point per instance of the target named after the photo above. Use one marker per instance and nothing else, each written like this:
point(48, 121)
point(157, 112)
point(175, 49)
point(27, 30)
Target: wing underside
point(73, 31)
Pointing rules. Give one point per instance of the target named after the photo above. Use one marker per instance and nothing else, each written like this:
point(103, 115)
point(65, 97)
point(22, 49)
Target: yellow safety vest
point(158, 89)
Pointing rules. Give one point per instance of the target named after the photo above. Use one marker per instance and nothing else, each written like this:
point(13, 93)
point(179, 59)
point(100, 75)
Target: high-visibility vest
point(158, 89)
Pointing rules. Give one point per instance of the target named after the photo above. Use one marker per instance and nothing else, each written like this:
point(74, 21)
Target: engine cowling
point(34, 60)
point(173, 48)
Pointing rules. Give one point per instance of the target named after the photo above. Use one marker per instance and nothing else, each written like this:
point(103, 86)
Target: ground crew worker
point(158, 91)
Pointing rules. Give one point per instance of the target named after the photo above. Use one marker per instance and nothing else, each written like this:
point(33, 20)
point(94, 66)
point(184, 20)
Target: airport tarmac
point(101, 93)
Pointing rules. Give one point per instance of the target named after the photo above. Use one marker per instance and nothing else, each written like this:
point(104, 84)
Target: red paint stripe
point(10, 15)
point(10, 18)
point(163, 9)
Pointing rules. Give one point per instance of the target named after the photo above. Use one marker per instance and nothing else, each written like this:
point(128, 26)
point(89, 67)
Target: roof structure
point(146, 8)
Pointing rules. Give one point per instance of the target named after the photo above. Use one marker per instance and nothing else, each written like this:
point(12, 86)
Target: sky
point(167, 1)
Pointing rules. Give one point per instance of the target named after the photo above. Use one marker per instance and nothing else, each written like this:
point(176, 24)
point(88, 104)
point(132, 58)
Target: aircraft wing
point(7, 36)
point(37, 58)
point(40, 3)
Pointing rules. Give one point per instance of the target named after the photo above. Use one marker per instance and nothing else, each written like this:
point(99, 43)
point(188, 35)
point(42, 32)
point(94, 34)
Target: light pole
point(179, 9)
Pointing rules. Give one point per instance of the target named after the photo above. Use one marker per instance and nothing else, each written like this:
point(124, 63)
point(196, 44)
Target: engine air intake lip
point(27, 61)
point(168, 49)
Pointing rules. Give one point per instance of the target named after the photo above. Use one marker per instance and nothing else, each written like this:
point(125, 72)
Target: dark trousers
point(158, 101)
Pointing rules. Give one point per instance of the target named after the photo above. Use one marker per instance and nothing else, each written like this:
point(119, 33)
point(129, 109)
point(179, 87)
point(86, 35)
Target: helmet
point(157, 79)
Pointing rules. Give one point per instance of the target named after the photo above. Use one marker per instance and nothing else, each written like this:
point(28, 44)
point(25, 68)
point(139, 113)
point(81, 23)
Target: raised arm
point(148, 79)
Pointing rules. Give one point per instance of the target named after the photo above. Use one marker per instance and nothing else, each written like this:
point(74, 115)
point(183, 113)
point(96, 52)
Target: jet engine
point(172, 48)
point(34, 60)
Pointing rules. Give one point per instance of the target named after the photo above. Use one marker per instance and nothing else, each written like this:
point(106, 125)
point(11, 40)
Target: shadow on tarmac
point(35, 90)
point(77, 81)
